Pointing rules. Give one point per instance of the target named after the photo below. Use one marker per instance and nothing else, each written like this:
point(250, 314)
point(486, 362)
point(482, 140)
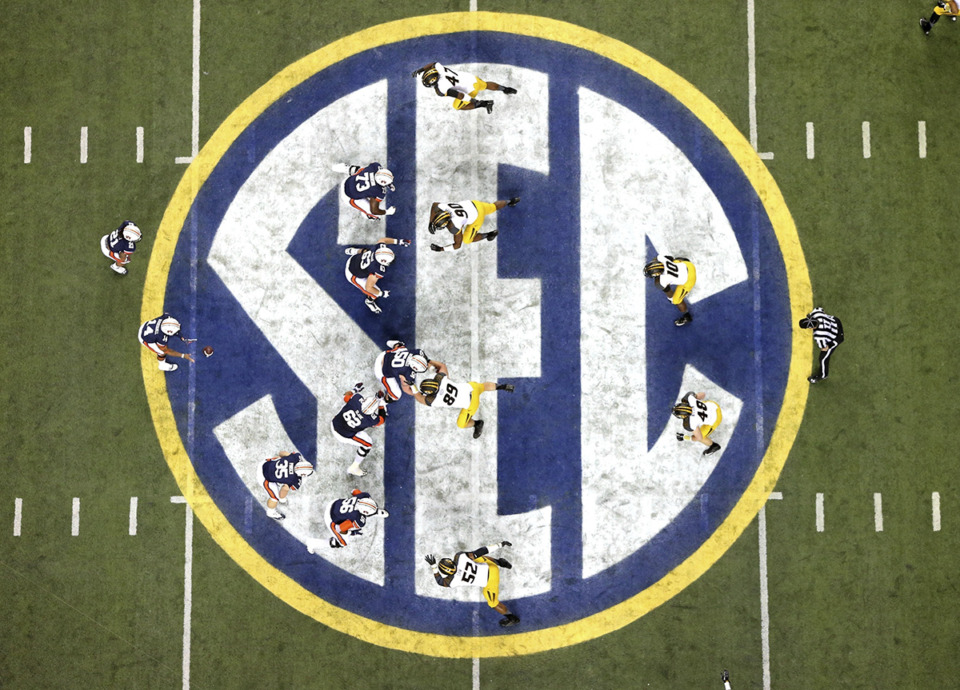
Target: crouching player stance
point(348, 426)
point(441, 391)
point(347, 517)
point(700, 417)
point(476, 569)
point(281, 475)
point(676, 277)
point(155, 335)
point(367, 265)
point(120, 244)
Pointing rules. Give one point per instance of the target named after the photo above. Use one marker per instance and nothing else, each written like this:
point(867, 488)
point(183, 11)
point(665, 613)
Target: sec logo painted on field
point(615, 159)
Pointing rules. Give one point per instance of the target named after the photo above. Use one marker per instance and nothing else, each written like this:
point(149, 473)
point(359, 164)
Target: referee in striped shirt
point(827, 334)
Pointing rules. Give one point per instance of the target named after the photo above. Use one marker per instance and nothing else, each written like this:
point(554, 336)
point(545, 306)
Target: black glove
point(679, 436)
point(505, 543)
point(431, 559)
point(436, 247)
point(415, 73)
point(355, 532)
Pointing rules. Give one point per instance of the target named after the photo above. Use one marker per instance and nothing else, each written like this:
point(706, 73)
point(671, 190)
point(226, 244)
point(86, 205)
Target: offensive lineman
point(281, 475)
point(397, 368)
point(366, 188)
point(347, 517)
point(699, 416)
point(476, 569)
point(460, 86)
point(441, 391)
point(156, 333)
point(367, 265)
point(676, 277)
point(349, 425)
point(120, 244)
point(463, 220)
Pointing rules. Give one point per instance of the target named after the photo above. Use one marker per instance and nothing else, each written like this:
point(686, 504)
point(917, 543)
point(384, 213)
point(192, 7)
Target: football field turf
point(847, 578)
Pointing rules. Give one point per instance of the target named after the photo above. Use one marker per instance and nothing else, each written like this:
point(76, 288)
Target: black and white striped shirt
point(827, 330)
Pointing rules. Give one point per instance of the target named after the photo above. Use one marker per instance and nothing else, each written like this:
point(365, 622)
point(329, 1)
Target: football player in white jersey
point(460, 86)
point(476, 569)
point(699, 416)
point(442, 391)
point(676, 277)
point(463, 219)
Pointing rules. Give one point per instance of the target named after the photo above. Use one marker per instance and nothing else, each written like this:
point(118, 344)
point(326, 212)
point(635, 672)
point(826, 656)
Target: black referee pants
point(825, 354)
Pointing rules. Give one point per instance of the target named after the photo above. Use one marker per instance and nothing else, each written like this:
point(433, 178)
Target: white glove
point(384, 293)
point(340, 168)
point(390, 210)
point(383, 513)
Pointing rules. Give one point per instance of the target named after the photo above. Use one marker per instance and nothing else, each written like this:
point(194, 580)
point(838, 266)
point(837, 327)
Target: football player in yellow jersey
point(949, 8)
point(463, 220)
point(676, 277)
point(699, 416)
point(476, 569)
point(442, 391)
point(460, 86)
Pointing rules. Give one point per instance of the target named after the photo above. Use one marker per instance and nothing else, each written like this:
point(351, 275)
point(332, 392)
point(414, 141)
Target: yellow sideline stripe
point(600, 623)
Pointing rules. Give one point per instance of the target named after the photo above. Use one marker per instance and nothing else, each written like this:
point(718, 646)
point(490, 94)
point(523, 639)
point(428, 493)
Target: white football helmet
point(384, 255)
point(169, 326)
point(303, 468)
point(132, 233)
point(383, 177)
point(370, 405)
point(418, 363)
point(367, 506)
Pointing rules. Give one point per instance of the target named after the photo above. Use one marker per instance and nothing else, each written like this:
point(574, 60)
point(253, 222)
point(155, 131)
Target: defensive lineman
point(463, 219)
point(442, 391)
point(155, 335)
point(367, 265)
point(827, 334)
point(676, 277)
point(476, 569)
point(120, 244)
point(460, 86)
point(356, 416)
point(397, 368)
point(699, 416)
point(366, 188)
point(281, 475)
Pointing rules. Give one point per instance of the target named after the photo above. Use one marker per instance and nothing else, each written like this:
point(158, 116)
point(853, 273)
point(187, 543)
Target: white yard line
point(819, 512)
point(75, 520)
point(473, 5)
point(17, 516)
point(476, 673)
point(934, 500)
point(133, 516)
point(752, 76)
point(27, 144)
point(764, 600)
point(866, 139)
point(922, 137)
point(195, 108)
point(878, 512)
point(83, 144)
point(139, 144)
point(187, 587)
point(810, 144)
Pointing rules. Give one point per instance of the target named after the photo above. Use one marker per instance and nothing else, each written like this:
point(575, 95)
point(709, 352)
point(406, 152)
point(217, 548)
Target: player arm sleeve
point(482, 551)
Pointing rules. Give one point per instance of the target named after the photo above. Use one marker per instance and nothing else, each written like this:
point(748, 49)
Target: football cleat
point(514, 201)
point(384, 256)
point(430, 77)
point(383, 177)
point(335, 544)
point(119, 269)
point(169, 326)
point(429, 387)
point(367, 506)
point(439, 221)
point(418, 363)
point(486, 105)
point(682, 410)
point(653, 269)
point(814, 379)
point(509, 90)
point(508, 620)
point(477, 428)
point(508, 387)
point(725, 676)
point(683, 320)
point(303, 468)
point(356, 471)
point(504, 563)
point(714, 447)
point(447, 566)
point(132, 233)
point(373, 306)
point(167, 366)
point(492, 235)
point(275, 514)
point(925, 25)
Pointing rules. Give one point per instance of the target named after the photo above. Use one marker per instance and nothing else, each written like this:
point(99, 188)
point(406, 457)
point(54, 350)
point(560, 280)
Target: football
point(208, 350)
